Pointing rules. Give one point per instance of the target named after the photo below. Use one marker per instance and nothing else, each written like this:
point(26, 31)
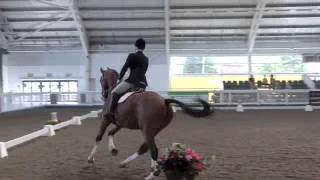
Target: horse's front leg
point(112, 147)
point(155, 171)
point(105, 123)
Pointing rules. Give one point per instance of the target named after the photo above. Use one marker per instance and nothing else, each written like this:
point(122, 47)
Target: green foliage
point(206, 65)
point(50, 122)
point(268, 68)
point(288, 64)
point(210, 67)
point(292, 64)
point(193, 65)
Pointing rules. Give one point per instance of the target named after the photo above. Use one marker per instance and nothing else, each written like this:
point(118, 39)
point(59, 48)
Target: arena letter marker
point(308, 108)
point(239, 108)
point(54, 117)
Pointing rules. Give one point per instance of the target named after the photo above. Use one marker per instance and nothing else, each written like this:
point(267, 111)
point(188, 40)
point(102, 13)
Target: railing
point(226, 97)
point(262, 97)
point(48, 130)
point(15, 101)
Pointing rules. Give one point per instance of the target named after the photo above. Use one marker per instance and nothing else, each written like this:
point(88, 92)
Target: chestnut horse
point(146, 111)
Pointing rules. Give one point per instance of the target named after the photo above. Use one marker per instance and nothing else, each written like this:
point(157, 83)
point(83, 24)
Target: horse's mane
point(113, 71)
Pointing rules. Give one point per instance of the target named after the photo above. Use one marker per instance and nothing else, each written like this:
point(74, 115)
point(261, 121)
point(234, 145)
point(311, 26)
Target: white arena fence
point(262, 97)
point(223, 98)
point(47, 130)
point(227, 99)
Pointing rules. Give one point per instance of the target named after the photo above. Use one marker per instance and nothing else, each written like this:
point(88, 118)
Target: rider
point(138, 64)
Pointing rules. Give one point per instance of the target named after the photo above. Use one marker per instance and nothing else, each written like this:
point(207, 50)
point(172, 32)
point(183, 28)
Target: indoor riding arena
point(235, 89)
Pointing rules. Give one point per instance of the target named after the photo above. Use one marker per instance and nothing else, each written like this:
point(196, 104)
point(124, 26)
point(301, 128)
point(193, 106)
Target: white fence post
point(286, 97)
point(3, 150)
point(221, 97)
point(94, 114)
point(50, 130)
point(76, 120)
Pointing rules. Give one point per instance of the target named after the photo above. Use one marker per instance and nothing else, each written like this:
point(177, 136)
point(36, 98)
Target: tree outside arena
point(283, 64)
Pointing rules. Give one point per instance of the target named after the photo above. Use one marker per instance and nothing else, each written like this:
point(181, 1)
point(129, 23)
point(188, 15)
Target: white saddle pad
point(125, 97)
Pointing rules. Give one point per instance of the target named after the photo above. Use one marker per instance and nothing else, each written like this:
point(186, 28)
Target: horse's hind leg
point(143, 149)
point(112, 147)
point(105, 123)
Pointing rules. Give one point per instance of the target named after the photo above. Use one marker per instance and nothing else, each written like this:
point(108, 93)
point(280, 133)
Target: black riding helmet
point(140, 44)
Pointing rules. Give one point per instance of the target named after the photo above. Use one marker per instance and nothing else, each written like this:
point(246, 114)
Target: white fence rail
point(48, 130)
point(16, 101)
point(262, 97)
point(15, 142)
point(227, 97)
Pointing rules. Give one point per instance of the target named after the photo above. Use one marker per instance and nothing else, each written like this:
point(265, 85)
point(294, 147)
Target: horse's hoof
point(114, 152)
point(149, 176)
point(156, 173)
point(91, 161)
point(122, 165)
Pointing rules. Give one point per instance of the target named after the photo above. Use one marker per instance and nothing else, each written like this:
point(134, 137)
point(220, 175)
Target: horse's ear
point(101, 70)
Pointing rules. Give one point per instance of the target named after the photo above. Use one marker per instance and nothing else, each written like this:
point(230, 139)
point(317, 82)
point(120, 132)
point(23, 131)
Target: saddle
point(129, 93)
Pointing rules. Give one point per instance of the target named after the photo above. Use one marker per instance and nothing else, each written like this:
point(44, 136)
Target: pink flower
point(197, 157)
point(194, 155)
point(163, 158)
point(199, 166)
point(190, 151)
point(188, 157)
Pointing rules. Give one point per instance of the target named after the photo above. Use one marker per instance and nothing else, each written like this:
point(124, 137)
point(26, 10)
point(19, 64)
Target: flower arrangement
point(181, 162)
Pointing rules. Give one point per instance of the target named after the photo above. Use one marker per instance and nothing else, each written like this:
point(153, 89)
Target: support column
point(167, 36)
point(2, 52)
point(1, 75)
point(250, 64)
point(89, 77)
point(90, 80)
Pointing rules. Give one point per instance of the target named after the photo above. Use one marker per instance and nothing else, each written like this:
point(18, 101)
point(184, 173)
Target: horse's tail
point(205, 111)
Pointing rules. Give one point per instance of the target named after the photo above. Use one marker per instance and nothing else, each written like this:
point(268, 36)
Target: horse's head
point(108, 80)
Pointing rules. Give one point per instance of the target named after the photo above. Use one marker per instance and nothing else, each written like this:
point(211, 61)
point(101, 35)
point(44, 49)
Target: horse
point(146, 111)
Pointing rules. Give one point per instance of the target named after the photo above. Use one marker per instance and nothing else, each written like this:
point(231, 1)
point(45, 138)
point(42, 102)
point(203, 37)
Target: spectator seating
point(236, 85)
point(297, 85)
point(242, 85)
